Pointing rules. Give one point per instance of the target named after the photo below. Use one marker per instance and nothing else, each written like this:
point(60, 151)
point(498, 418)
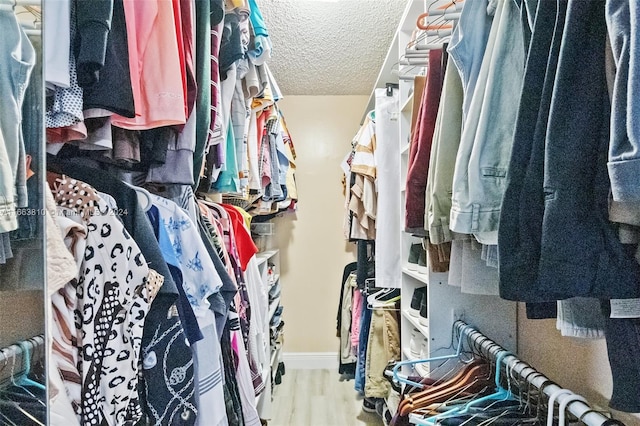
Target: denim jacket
point(487, 135)
point(622, 18)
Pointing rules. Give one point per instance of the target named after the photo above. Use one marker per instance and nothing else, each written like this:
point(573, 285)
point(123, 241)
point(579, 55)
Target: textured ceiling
point(329, 47)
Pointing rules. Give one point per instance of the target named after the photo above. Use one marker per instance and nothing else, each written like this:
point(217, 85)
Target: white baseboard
point(310, 360)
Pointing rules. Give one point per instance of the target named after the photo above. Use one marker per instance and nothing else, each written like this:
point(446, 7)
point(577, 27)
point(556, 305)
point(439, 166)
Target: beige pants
point(347, 355)
point(383, 347)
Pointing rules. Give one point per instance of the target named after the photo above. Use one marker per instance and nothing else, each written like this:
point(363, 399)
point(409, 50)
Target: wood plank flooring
point(318, 398)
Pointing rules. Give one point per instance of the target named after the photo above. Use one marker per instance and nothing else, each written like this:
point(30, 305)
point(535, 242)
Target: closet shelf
point(407, 354)
point(415, 274)
point(421, 369)
point(405, 149)
point(276, 278)
point(273, 306)
point(275, 358)
point(265, 255)
point(407, 106)
point(415, 322)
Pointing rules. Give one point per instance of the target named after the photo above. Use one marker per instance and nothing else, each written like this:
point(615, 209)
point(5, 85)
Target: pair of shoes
point(414, 343)
point(369, 404)
point(419, 307)
point(417, 260)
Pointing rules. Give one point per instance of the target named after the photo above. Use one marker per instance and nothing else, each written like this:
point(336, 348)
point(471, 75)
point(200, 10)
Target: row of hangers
point(469, 386)
point(381, 298)
point(433, 31)
point(22, 389)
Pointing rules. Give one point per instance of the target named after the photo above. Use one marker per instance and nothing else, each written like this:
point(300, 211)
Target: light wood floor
point(318, 398)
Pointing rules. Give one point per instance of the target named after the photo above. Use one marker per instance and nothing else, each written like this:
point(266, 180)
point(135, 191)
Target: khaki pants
point(383, 346)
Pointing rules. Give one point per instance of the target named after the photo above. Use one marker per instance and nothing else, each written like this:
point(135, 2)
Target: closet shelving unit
point(22, 277)
point(445, 303)
point(269, 259)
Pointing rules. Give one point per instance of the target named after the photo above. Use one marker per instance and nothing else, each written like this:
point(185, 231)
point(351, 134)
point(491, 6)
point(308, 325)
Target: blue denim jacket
point(623, 24)
point(15, 70)
point(487, 135)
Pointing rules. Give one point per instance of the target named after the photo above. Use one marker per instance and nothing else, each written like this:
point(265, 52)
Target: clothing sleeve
point(94, 23)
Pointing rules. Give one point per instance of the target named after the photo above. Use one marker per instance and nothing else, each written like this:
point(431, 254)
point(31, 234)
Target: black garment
point(623, 348)
point(217, 11)
point(154, 144)
point(555, 239)
point(366, 267)
point(231, 46)
point(233, 402)
point(580, 251)
point(110, 87)
point(520, 230)
point(164, 346)
point(93, 19)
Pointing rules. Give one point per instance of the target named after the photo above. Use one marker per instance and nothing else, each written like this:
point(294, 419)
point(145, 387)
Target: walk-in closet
point(319, 212)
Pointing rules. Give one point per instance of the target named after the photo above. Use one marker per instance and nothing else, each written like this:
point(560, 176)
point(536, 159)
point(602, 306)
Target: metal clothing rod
point(12, 357)
point(580, 409)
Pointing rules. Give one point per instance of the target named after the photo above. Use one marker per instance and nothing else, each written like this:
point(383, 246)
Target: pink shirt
point(154, 61)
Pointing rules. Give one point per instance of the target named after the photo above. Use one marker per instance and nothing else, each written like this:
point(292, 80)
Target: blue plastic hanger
point(500, 394)
point(406, 381)
point(24, 380)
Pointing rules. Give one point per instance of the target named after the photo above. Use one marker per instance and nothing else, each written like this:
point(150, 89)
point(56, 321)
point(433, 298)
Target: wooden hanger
point(475, 380)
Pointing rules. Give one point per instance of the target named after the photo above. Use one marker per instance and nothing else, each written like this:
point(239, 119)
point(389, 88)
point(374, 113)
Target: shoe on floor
point(369, 405)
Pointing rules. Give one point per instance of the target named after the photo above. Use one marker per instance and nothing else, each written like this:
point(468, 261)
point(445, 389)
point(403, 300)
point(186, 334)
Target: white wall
point(313, 249)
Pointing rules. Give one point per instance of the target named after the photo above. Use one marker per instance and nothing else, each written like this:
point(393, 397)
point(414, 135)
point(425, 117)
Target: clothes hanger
point(499, 410)
point(144, 196)
point(552, 402)
point(22, 383)
point(565, 403)
point(24, 380)
point(476, 380)
point(499, 394)
point(399, 365)
point(385, 298)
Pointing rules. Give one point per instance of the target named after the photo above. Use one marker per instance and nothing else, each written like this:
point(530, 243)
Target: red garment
point(177, 19)
point(246, 247)
point(74, 132)
point(420, 151)
point(187, 13)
